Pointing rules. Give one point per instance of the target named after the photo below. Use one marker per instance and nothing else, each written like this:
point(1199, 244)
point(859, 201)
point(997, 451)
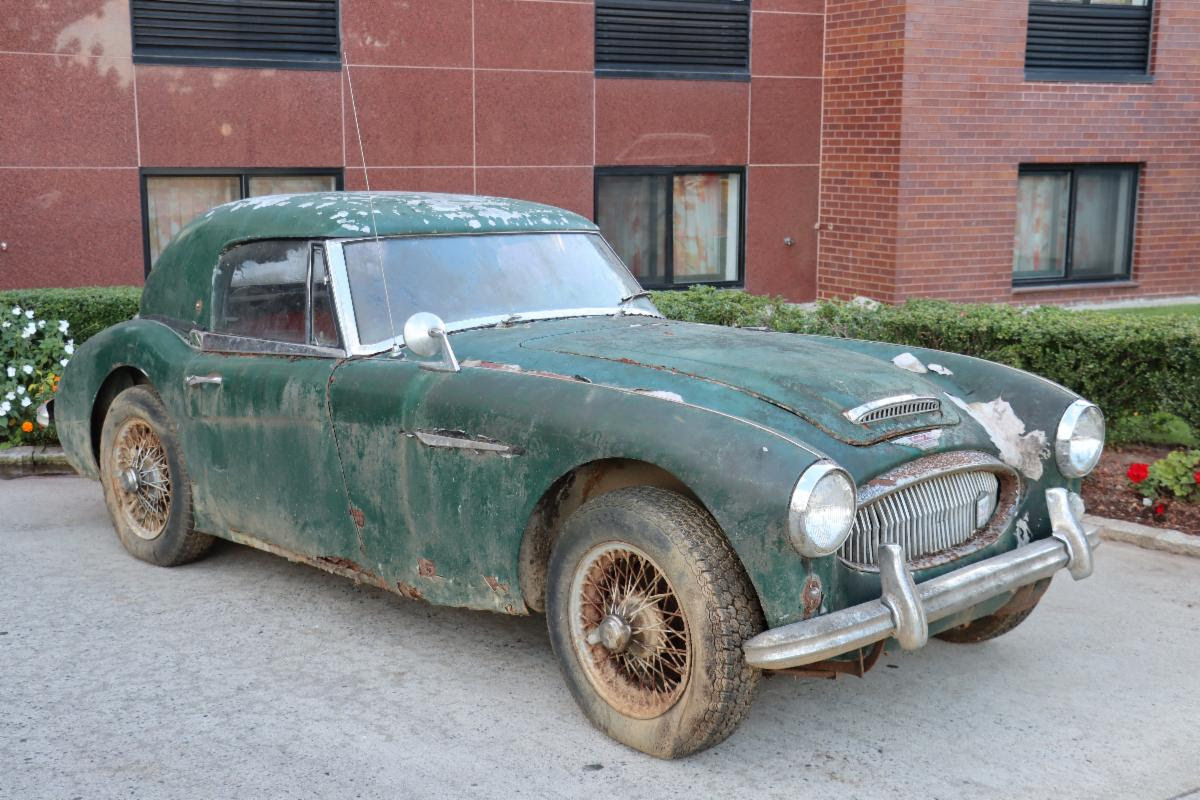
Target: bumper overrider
point(906, 608)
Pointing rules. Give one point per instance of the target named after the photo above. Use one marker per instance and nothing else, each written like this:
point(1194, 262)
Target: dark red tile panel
point(70, 227)
point(65, 111)
point(533, 118)
point(196, 116)
point(670, 122)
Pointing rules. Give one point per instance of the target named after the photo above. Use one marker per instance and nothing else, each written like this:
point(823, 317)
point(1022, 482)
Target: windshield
point(484, 275)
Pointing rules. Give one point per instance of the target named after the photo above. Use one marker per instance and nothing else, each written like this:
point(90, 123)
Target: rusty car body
point(849, 493)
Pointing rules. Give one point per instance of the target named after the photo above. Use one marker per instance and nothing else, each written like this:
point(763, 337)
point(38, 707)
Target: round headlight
point(822, 509)
point(1080, 439)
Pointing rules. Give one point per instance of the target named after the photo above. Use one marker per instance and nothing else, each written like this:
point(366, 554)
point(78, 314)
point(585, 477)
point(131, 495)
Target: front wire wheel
point(647, 608)
point(630, 631)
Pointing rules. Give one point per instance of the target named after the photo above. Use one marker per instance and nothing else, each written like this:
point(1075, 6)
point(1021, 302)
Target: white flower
point(26, 402)
point(30, 330)
point(5, 407)
point(16, 311)
point(10, 396)
point(12, 372)
point(63, 325)
point(70, 346)
point(5, 324)
point(29, 313)
point(63, 361)
point(41, 324)
point(20, 390)
point(27, 369)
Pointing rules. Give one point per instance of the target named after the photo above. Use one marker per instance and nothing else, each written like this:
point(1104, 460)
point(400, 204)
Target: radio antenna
point(387, 300)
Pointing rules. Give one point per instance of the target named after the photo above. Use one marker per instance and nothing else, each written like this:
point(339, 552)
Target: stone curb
point(21, 462)
point(1164, 539)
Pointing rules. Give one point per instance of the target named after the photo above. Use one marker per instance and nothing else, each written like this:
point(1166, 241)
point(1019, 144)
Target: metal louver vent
point(681, 38)
point(893, 407)
point(1086, 39)
point(264, 33)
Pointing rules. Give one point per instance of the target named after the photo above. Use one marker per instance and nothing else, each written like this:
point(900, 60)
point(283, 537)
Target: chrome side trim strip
point(463, 442)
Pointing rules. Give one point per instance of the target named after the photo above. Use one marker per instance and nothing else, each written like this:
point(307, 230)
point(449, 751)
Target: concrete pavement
point(246, 676)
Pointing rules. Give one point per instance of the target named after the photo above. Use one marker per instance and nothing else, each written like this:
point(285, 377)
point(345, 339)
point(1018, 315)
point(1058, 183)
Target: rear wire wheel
point(146, 485)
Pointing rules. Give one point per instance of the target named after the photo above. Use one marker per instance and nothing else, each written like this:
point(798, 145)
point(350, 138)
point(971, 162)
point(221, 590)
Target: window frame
point(327, 64)
point(243, 174)
point(671, 171)
point(1052, 74)
point(1072, 171)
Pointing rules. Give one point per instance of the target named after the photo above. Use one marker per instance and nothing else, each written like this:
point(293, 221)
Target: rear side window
point(261, 291)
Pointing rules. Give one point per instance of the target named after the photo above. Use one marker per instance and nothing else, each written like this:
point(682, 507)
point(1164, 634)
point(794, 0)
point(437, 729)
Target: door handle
point(201, 380)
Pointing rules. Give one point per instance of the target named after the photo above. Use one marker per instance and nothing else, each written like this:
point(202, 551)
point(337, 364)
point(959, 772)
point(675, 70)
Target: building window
point(172, 199)
point(689, 39)
point(1088, 39)
point(1074, 223)
point(674, 226)
point(298, 34)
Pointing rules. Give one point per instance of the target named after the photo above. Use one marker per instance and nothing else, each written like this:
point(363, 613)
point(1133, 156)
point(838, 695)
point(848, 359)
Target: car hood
point(811, 377)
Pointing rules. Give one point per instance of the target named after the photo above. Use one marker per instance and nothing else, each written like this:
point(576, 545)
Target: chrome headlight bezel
point(1079, 412)
point(804, 537)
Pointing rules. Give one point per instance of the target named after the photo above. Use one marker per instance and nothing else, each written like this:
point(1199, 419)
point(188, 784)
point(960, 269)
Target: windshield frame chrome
point(348, 321)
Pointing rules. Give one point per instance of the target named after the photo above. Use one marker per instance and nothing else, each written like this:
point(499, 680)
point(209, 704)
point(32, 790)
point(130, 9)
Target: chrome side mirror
point(425, 336)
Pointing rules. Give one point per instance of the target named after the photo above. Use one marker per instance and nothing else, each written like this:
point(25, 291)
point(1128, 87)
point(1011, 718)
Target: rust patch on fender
point(426, 568)
point(495, 585)
point(409, 591)
point(340, 564)
point(811, 596)
point(356, 514)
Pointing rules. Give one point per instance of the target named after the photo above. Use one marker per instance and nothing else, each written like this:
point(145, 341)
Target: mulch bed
point(1108, 493)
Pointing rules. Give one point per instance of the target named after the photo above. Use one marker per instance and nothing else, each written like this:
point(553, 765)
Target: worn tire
point(715, 601)
point(138, 414)
point(1007, 617)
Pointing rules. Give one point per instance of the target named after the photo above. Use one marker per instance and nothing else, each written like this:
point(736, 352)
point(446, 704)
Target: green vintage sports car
point(470, 401)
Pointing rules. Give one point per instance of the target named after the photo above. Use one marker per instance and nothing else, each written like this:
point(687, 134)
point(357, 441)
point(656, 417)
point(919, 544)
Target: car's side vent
point(681, 38)
point(249, 33)
point(893, 407)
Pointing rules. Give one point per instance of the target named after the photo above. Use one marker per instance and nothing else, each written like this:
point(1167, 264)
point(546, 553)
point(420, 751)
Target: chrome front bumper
point(906, 608)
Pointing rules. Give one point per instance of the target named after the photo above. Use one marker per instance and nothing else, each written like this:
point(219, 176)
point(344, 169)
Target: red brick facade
point(928, 116)
point(896, 127)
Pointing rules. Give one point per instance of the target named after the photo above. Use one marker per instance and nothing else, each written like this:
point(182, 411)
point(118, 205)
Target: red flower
point(1197, 477)
point(1138, 472)
point(1160, 509)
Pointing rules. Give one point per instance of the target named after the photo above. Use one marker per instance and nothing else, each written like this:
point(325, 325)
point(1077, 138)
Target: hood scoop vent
point(906, 405)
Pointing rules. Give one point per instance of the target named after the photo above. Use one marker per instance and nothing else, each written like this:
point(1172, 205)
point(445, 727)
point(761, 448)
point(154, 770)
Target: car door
point(261, 450)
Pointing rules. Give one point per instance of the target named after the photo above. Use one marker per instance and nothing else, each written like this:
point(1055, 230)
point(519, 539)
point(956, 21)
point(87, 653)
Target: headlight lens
point(1080, 439)
point(822, 509)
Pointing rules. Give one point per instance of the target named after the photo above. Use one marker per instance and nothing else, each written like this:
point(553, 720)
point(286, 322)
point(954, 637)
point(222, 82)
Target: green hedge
point(89, 309)
point(1124, 363)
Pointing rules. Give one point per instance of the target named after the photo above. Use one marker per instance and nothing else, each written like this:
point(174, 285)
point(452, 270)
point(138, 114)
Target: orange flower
point(27, 426)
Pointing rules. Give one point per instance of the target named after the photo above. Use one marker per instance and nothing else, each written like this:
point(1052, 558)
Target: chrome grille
point(926, 517)
point(892, 408)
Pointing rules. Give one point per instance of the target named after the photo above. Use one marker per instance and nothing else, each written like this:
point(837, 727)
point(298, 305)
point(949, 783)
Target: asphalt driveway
point(246, 676)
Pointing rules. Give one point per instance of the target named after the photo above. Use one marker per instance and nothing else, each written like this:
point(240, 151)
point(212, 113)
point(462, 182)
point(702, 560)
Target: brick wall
point(860, 156)
point(969, 119)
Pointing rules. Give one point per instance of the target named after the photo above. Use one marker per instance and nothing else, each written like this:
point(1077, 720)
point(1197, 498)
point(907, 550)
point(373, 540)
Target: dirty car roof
point(182, 275)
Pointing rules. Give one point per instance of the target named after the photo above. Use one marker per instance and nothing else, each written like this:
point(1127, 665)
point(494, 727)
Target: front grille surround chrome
point(917, 487)
point(904, 405)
